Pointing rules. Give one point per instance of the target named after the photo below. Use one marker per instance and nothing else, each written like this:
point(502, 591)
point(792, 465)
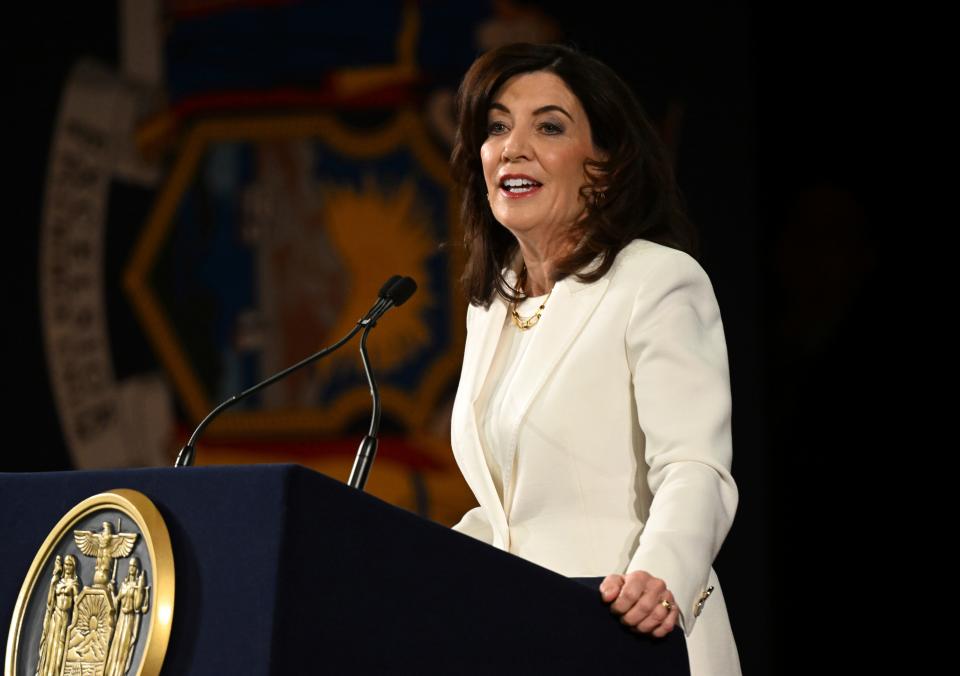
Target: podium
point(281, 570)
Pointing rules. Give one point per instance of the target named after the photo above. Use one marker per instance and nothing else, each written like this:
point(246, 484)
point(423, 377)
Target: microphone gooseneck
point(187, 454)
point(398, 294)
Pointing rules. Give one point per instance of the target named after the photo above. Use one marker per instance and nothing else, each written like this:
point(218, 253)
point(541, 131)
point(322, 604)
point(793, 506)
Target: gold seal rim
point(141, 509)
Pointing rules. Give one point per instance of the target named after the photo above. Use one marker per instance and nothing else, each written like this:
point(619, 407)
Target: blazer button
point(703, 598)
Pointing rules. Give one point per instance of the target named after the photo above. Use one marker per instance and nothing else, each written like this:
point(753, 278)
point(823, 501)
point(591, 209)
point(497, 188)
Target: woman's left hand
point(637, 597)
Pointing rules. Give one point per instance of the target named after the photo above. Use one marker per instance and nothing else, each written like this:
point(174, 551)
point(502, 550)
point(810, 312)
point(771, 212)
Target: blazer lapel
point(564, 317)
point(567, 311)
point(482, 339)
point(489, 330)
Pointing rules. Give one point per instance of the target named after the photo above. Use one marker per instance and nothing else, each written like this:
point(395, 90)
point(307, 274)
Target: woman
point(592, 418)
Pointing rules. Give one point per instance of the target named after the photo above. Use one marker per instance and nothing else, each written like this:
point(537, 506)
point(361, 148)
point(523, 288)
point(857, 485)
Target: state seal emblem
point(98, 599)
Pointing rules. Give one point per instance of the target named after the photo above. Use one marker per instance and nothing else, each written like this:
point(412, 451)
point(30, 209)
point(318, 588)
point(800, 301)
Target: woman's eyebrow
point(538, 111)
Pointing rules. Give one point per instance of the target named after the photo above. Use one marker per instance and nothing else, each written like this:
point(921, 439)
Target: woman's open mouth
point(515, 188)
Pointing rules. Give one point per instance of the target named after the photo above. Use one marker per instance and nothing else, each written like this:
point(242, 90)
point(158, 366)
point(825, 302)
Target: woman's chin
point(519, 226)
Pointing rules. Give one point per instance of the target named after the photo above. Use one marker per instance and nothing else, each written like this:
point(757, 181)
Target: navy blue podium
point(281, 570)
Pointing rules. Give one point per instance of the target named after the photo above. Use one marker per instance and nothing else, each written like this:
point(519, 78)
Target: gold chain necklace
point(525, 323)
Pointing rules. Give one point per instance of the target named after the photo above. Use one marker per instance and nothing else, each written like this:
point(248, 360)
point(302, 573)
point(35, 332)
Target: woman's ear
point(596, 175)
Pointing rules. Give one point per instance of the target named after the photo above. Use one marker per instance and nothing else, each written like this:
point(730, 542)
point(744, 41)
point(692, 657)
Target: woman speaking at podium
point(592, 417)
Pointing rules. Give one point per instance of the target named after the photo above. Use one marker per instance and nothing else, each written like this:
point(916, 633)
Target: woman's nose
point(516, 146)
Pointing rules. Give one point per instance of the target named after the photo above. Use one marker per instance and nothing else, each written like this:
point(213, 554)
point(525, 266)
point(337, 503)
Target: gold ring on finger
point(666, 604)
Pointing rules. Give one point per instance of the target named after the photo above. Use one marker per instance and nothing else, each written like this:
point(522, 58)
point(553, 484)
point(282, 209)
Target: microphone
point(401, 290)
point(398, 294)
point(385, 300)
point(382, 297)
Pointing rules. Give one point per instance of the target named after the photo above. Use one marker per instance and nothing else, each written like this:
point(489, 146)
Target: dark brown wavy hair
point(640, 193)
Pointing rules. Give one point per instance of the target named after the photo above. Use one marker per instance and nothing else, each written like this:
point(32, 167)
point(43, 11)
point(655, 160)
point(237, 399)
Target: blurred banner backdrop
point(228, 198)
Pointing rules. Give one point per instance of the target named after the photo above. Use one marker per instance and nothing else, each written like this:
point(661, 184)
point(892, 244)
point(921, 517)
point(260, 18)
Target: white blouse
point(494, 434)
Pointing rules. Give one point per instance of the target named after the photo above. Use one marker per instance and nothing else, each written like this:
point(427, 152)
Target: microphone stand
point(367, 452)
point(188, 453)
point(395, 296)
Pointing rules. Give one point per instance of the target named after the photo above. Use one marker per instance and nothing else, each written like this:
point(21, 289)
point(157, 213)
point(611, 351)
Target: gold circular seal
point(98, 598)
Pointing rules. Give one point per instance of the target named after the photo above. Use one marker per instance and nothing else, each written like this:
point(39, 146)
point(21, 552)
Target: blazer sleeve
point(678, 356)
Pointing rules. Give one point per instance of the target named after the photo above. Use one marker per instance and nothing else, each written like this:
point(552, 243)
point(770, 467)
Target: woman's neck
point(541, 266)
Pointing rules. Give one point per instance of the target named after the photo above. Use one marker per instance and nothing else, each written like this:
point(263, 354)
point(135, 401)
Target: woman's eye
point(495, 127)
point(551, 128)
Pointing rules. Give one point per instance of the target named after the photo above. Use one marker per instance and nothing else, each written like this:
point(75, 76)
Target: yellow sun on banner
point(376, 232)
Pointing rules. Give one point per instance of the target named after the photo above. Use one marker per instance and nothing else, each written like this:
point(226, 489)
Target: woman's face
point(536, 130)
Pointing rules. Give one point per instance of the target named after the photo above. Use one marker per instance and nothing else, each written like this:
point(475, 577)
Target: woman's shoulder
point(648, 275)
point(644, 260)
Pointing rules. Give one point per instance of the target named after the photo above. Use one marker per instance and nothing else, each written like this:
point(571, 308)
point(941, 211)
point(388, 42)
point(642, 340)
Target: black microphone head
point(385, 289)
point(401, 290)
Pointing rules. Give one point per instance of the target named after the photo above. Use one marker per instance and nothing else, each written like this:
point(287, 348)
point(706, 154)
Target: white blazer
point(621, 437)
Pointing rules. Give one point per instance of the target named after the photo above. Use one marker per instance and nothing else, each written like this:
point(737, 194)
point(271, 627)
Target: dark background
point(781, 160)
